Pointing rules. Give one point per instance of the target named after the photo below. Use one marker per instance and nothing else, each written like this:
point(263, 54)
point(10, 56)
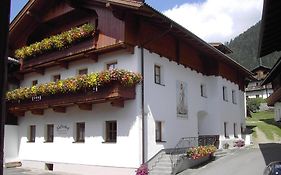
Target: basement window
point(32, 133)
point(80, 132)
point(49, 166)
point(111, 131)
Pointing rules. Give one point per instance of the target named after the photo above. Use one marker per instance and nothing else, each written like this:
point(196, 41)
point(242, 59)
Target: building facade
point(188, 87)
point(255, 89)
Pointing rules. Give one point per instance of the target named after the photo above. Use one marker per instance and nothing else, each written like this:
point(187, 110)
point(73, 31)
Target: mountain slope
point(245, 49)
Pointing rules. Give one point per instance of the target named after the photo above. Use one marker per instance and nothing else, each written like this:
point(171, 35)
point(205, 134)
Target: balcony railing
point(114, 93)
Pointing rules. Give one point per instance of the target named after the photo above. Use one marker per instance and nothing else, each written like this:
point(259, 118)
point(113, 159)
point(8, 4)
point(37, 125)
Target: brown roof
point(142, 9)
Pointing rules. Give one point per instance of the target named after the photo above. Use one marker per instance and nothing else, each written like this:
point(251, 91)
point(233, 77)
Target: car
point(273, 168)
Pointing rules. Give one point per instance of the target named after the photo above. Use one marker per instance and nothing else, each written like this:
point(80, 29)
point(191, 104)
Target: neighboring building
point(189, 88)
point(11, 123)
point(254, 88)
point(270, 41)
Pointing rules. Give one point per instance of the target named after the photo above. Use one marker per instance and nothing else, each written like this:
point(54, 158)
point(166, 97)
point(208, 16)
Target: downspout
point(142, 45)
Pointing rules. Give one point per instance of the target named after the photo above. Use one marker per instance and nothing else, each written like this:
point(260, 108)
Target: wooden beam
point(19, 76)
point(37, 111)
point(92, 56)
point(39, 71)
point(59, 109)
point(85, 106)
point(18, 113)
point(63, 64)
point(177, 51)
point(118, 103)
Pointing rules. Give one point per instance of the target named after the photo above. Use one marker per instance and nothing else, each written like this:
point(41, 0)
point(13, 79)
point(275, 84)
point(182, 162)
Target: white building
point(189, 88)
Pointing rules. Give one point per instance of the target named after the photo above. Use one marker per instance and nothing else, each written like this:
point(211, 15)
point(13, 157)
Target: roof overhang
point(273, 73)
point(270, 34)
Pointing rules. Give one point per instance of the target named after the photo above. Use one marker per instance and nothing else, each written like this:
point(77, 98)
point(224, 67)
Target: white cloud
point(217, 20)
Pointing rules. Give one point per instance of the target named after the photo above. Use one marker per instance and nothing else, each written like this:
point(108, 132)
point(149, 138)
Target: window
point(50, 133)
point(83, 72)
point(157, 74)
point(234, 101)
point(111, 66)
point(80, 132)
point(111, 131)
point(32, 132)
point(158, 131)
point(225, 130)
point(56, 78)
point(203, 90)
point(234, 130)
point(34, 82)
point(224, 89)
point(257, 96)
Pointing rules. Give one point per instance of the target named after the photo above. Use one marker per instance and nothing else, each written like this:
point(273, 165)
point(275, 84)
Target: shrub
point(142, 170)
point(239, 143)
point(201, 151)
point(253, 104)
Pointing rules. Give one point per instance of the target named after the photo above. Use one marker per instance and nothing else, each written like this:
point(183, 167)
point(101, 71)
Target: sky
point(211, 20)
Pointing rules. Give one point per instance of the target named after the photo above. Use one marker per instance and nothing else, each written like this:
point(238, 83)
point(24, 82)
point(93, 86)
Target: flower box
point(187, 162)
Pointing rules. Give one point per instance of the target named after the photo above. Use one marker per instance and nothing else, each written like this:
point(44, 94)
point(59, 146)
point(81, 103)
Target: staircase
point(163, 166)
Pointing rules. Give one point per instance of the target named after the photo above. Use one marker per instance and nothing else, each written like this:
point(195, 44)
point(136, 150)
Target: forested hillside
point(245, 49)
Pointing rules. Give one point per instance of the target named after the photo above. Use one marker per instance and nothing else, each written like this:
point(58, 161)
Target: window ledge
point(109, 142)
point(48, 141)
point(30, 142)
point(78, 142)
point(160, 84)
point(161, 141)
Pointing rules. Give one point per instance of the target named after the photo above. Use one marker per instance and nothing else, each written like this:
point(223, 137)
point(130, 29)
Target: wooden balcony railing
point(273, 98)
point(114, 93)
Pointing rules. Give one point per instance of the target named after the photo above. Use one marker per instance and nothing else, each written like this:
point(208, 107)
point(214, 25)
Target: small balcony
point(114, 86)
point(114, 93)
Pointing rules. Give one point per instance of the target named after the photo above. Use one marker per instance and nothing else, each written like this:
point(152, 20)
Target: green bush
point(253, 104)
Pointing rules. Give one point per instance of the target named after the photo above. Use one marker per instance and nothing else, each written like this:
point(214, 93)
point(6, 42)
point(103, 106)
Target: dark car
point(273, 168)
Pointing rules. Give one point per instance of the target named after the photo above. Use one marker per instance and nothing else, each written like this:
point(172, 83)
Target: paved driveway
point(249, 161)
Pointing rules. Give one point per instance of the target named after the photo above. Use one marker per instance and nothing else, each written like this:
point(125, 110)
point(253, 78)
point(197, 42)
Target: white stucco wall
point(212, 112)
point(277, 111)
point(11, 144)
point(125, 153)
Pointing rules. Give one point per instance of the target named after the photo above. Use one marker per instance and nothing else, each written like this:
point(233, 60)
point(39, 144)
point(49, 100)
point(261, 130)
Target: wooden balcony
point(62, 58)
point(113, 93)
point(273, 98)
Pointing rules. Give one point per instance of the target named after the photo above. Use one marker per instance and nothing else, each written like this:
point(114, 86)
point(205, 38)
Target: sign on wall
point(62, 129)
point(182, 99)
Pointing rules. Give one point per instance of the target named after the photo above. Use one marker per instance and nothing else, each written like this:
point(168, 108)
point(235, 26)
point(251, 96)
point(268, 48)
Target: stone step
point(12, 164)
point(159, 173)
point(162, 168)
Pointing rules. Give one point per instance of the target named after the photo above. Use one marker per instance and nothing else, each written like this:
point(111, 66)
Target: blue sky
point(211, 20)
point(17, 5)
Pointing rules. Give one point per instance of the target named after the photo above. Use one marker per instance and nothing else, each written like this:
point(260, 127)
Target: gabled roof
point(221, 47)
point(142, 9)
point(270, 33)
point(261, 67)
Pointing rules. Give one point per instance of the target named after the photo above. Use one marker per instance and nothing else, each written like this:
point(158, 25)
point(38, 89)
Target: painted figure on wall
point(181, 99)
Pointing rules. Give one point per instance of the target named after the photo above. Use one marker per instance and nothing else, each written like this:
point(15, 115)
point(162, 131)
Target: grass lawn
point(265, 122)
